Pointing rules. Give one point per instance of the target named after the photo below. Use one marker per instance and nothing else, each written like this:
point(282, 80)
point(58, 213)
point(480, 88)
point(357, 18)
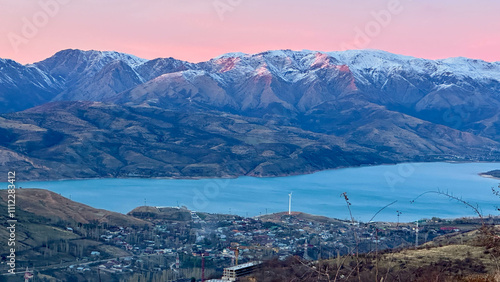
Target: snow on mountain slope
point(294, 80)
point(71, 65)
point(183, 88)
point(359, 61)
point(113, 78)
point(22, 87)
point(154, 68)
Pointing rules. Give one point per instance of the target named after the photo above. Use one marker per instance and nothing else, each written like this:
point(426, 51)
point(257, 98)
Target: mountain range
point(86, 114)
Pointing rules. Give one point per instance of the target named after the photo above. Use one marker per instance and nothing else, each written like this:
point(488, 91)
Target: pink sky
point(194, 30)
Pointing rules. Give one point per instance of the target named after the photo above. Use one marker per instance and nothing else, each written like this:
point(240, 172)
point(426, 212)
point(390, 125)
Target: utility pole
point(28, 274)
point(177, 263)
point(416, 236)
point(202, 267)
point(399, 213)
point(306, 256)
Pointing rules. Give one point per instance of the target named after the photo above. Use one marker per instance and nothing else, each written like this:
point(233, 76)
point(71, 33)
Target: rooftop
point(245, 265)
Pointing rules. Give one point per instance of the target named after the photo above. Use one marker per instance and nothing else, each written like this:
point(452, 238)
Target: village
point(182, 244)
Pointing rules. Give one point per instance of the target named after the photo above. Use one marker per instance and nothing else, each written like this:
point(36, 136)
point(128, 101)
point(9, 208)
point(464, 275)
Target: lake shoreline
point(369, 189)
point(495, 174)
point(255, 176)
point(488, 176)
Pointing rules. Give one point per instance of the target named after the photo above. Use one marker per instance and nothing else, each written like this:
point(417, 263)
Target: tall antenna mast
point(290, 203)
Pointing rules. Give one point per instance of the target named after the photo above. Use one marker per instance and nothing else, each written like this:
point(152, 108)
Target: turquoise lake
point(369, 189)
